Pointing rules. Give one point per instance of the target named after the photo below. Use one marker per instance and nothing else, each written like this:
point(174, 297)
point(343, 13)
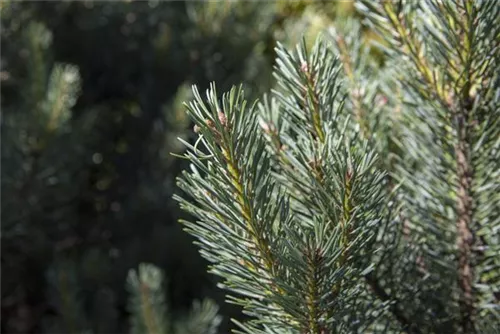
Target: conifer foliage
point(354, 197)
point(149, 312)
point(42, 184)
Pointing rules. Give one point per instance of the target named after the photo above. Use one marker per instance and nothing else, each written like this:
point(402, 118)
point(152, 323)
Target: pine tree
point(357, 197)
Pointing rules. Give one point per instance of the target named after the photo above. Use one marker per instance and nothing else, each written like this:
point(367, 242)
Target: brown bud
point(210, 124)
point(222, 118)
point(358, 92)
point(304, 67)
point(381, 100)
point(348, 174)
point(450, 99)
point(269, 128)
point(314, 164)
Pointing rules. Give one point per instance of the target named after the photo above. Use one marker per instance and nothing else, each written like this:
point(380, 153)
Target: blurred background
point(91, 99)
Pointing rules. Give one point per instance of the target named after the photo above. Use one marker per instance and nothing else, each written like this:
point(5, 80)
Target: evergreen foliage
point(91, 98)
point(86, 176)
point(149, 311)
point(34, 143)
point(357, 197)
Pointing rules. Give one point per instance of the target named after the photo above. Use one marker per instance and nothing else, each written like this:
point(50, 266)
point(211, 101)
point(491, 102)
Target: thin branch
point(465, 203)
point(464, 220)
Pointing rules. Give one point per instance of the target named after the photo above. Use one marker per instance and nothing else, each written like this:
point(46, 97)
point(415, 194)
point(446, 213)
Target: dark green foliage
point(149, 312)
point(90, 112)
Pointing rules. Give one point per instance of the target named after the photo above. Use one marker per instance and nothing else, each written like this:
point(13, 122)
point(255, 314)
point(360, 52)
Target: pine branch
point(202, 319)
point(465, 237)
point(465, 174)
point(412, 47)
point(240, 208)
point(452, 46)
point(65, 296)
point(294, 72)
point(347, 208)
point(319, 260)
point(64, 85)
point(355, 91)
point(147, 302)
